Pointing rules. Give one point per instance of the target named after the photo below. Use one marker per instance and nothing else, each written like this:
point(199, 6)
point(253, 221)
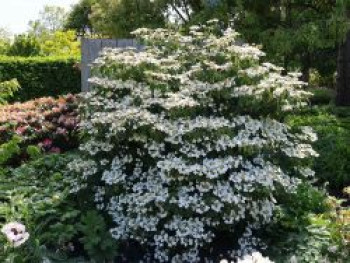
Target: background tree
point(296, 34)
point(51, 19)
point(79, 18)
point(60, 43)
point(4, 41)
point(293, 33)
point(343, 69)
point(108, 16)
point(117, 18)
point(25, 45)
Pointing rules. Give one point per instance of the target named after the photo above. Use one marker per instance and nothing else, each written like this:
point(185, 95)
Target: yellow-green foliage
point(7, 90)
point(60, 43)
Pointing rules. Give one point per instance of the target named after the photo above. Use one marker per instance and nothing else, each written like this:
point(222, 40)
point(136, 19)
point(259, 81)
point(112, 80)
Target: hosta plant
point(184, 144)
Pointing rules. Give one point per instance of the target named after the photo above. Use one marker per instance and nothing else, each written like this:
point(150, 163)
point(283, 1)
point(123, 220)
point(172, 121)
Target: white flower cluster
point(171, 153)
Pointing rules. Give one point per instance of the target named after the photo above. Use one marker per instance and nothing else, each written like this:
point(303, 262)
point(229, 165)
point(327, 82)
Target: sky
point(15, 14)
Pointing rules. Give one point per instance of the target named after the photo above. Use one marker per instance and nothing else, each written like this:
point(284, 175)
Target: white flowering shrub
point(183, 140)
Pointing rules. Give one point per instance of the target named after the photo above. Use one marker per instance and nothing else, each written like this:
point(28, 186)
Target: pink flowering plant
point(184, 142)
point(49, 123)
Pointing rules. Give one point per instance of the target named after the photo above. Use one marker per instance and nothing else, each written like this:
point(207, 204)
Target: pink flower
point(55, 150)
point(47, 143)
point(21, 130)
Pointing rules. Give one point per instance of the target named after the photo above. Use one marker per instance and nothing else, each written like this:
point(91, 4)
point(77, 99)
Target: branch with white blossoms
point(180, 141)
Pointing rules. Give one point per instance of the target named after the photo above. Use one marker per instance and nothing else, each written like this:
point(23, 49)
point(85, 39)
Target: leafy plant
point(333, 129)
point(34, 152)
point(8, 89)
point(9, 149)
point(97, 240)
point(37, 194)
point(307, 229)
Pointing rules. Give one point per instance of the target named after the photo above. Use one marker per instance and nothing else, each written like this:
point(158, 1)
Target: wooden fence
point(90, 50)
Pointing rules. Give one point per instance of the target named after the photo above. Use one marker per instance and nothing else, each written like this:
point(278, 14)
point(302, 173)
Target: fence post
point(90, 50)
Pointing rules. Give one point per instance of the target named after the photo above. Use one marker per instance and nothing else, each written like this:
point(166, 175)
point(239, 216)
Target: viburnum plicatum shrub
point(183, 141)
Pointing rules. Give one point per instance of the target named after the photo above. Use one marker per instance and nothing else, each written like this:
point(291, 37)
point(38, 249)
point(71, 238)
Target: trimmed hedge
point(41, 76)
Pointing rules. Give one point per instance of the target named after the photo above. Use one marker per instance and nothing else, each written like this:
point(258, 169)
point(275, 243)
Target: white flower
point(256, 257)
point(333, 249)
point(15, 233)
point(293, 259)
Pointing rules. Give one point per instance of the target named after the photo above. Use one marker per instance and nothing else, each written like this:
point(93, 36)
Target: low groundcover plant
point(184, 141)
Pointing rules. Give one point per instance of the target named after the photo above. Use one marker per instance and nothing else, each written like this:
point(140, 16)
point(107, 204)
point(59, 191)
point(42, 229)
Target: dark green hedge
point(41, 76)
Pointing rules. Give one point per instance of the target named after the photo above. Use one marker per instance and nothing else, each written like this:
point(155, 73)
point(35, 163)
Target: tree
point(5, 41)
point(294, 33)
point(79, 18)
point(343, 66)
point(25, 45)
point(51, 19)
point(60, 43)
point(117, 18)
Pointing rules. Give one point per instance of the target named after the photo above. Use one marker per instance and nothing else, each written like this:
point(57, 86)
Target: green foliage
point(5, 41)
point(78, 19)
point(295, 33)
point(37, 194)
point(41, 76)
point(24, 46)
point(8, 89)
point(60, 43)
point(307, 229)
point(322, 96)
point(117, 18)
point(96, 239)
point(9, 149)
point(34, 152)
point(4, 46)
point(333, 145)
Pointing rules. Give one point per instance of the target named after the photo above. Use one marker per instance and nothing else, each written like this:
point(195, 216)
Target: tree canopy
point(51, 19)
